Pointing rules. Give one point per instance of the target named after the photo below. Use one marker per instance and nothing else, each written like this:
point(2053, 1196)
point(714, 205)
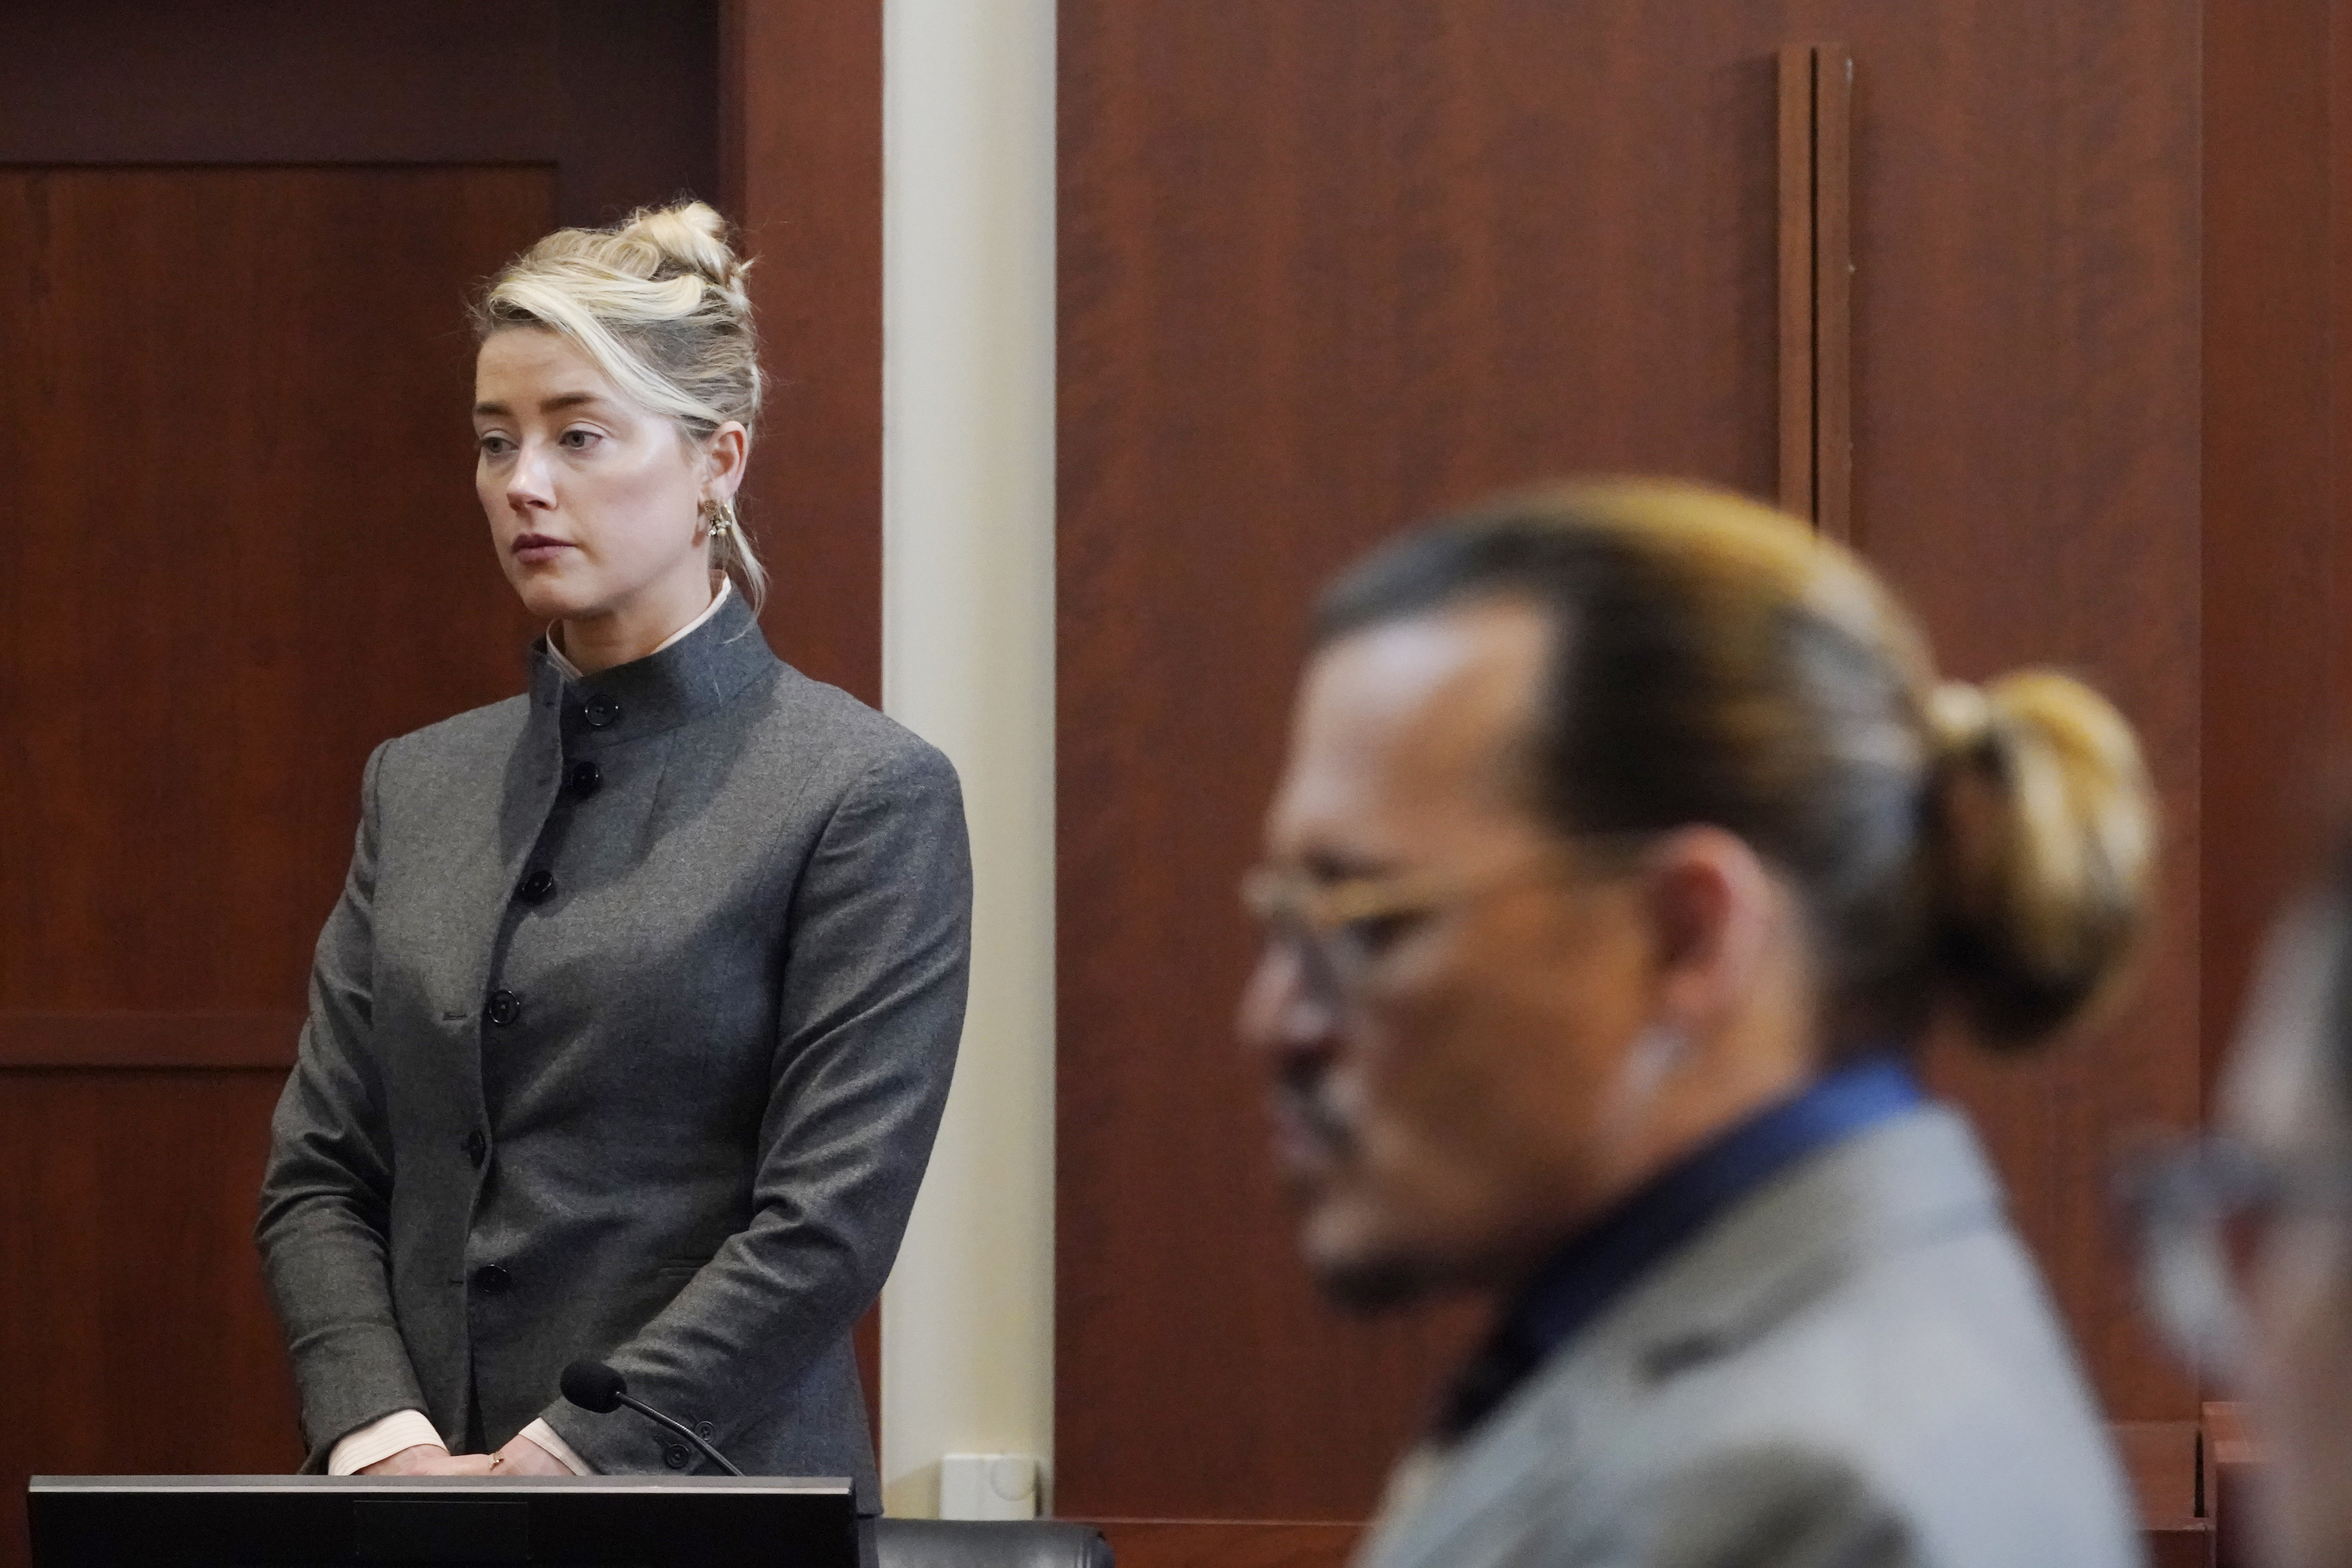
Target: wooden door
point(1328, 265)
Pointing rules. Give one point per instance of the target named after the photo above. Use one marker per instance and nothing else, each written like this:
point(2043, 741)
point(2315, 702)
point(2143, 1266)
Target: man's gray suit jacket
point(627, 1039)
point(1857, 1365)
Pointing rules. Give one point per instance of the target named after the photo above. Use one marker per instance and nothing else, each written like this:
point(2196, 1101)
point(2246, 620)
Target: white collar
point(569, 672)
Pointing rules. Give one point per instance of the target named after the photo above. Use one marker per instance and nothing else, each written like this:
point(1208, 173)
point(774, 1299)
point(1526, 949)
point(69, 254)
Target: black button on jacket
point(711, 1104)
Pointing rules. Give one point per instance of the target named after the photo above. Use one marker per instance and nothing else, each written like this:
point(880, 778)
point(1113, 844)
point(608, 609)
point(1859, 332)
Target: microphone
point(594, 1386)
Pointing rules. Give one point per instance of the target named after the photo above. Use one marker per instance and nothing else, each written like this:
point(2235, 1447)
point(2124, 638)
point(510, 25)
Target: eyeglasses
point(1340, 929)
point(2200, 1209)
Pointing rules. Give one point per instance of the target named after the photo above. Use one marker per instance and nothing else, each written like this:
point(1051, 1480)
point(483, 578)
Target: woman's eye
point(577, 440)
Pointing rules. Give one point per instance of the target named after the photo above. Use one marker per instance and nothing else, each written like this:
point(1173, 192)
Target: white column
point(968, 662)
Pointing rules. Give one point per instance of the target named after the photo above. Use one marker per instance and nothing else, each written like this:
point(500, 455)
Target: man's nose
point(1281, 1013)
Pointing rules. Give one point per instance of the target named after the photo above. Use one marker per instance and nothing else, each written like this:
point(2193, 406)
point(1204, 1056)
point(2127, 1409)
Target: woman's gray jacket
point(627, 1039)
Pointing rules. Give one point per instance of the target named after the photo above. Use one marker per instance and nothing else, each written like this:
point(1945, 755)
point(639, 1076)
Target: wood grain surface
point(1795, 143)
point(121, 1039)
point(2277, 667)
point(1328, 265)
point(804, 154)
point(135, 1337)
point(615, 95)
point(2160, 1459)
point(242, 548)
point(2232, 1460)
point(1832, 253)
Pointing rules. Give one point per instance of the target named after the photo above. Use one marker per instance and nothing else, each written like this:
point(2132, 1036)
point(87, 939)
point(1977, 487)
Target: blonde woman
point(630, 1033)
point(1627, 850)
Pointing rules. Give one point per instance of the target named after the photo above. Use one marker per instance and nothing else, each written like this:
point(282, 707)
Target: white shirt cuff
point(540, 1433)
point(380, 1440)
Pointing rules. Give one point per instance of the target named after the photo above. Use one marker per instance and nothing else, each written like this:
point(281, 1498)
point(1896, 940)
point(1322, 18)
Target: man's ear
point(1714, 910)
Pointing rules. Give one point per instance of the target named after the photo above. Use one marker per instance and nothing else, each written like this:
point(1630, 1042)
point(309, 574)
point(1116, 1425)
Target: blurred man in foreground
point(1627, 847)
point(2249, 1235)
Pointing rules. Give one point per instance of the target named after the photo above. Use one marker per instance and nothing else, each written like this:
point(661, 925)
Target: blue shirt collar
point(1600, 1263)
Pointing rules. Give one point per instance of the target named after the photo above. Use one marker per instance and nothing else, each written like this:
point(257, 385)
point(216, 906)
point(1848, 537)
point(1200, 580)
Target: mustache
point(1300, 1091)
point(1370, 1287)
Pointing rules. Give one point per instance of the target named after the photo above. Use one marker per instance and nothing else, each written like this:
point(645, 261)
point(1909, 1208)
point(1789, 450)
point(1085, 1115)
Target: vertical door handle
point(1817, 286)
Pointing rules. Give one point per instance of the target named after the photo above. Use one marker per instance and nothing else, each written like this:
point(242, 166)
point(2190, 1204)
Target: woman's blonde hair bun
point(658, 302)
point(689, 240)
point(2043, 827)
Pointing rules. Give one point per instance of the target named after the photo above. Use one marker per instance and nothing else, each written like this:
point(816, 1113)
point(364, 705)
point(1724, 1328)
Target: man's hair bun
point(2044, 834)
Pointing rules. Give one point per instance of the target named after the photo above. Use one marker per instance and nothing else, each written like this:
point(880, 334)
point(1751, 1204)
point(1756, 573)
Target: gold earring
point(721, 517)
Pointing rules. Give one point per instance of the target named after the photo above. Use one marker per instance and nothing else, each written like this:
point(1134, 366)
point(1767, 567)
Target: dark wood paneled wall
point(618, 97)
point(804, 154)
point(1328, 265)
point(241, 549)
point(2275, 658)
point(244, 549)
point(134, 1337)
point(238, 546)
